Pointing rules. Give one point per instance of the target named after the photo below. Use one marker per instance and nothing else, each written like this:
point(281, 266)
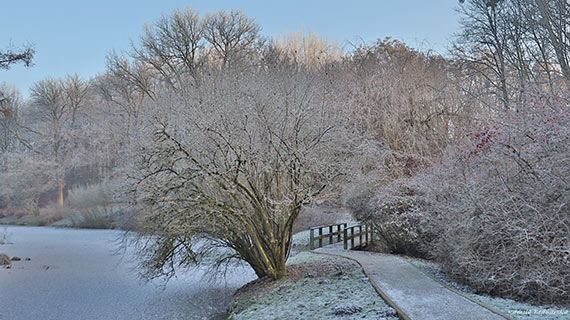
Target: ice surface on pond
point(76, 274)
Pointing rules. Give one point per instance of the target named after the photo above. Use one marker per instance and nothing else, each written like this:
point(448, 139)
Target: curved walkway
point(412, 293)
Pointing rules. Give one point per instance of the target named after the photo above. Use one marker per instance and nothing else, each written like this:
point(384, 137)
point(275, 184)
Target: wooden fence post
point(312, 239)
point(360, 235)
point(351, 237)
point(338, 231)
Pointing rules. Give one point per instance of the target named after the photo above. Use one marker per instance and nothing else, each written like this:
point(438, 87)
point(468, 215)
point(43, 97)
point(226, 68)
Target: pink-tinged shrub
point(500, 204)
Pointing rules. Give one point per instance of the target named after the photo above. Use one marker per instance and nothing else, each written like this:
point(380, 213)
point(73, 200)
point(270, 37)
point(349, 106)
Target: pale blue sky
point(75, 36)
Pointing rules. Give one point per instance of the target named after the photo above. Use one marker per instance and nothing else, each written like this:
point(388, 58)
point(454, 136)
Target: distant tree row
point(514, 44)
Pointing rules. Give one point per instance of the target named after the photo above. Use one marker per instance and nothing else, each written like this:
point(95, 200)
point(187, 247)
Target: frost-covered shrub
point(389, 202)
point(91, 196)
point(500, 205)
point(396, 215)
point(100, 218)
point(90, 207)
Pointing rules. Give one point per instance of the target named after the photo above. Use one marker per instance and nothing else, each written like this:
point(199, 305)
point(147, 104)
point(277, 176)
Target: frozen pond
point(76, 274)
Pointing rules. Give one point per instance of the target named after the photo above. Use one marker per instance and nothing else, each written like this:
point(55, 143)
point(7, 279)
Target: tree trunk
point(556, 40)
point(265, 258)
point(60, 198)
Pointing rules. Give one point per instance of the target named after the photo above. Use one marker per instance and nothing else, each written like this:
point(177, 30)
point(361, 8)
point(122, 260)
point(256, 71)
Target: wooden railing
point(360, 239)
point(355, 237)
point(327, 232)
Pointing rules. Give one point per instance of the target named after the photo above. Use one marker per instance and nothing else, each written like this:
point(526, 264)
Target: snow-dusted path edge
point(413, 294)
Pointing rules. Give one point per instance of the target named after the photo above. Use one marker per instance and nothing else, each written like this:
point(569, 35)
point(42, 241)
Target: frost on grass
point(301, 240)
point(316, 287)
point(515, 309)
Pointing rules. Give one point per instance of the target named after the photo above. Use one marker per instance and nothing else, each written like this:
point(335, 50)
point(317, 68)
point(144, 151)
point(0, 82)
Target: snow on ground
point(317, 286)
point(76, 274)
point(515, 309)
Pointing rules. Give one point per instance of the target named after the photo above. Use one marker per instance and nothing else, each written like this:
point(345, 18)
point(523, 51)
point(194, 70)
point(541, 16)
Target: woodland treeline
point(204, 129)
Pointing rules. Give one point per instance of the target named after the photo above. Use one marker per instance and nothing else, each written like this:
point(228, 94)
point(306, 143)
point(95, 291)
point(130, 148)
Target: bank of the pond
point(316, 287)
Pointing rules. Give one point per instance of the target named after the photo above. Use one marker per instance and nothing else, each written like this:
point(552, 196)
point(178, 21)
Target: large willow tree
point(232, 163)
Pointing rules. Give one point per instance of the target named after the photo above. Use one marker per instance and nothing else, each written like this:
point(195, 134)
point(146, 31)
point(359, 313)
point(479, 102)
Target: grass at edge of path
point(512, 308)
point(316, 287)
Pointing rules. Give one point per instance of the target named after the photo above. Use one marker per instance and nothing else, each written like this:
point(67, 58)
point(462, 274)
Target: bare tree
point(483, 43)
point(172, 46)
point(555, 19)
point(23, 178)
point(10, 103)
point(231, 35)
point(308, 48)
point(57, 104)
point(411, 101)
point(542, 60)
point(236, 169)
point(126, 86)
point(515, 44)
point(173, 50)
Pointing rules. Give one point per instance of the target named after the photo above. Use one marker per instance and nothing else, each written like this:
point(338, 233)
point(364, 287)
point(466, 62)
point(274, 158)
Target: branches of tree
point(57, 105)
point(515, 44)
point(10, 103)
point(309, 49)
point(554, 19)
point(175, 47)
point(12, 56)
point(406, 98)
point(9, 98)
point(237, 167)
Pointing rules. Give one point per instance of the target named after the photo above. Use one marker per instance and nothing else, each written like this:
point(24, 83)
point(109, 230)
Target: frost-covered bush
point(396, 214)
point(501, 204)
point(90, 207)
point(91, 196)
point(391, 203)
point(95, 218)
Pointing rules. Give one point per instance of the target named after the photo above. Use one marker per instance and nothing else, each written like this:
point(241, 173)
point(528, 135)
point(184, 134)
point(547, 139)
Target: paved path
point(415, 294)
